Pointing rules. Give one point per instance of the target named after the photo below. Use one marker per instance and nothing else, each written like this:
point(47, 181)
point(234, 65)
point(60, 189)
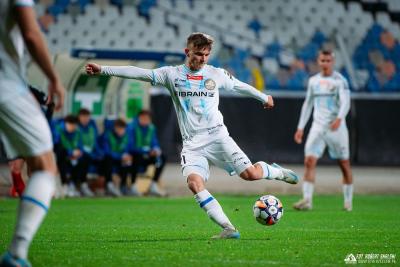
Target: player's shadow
point(181, 240)
point(156, 240)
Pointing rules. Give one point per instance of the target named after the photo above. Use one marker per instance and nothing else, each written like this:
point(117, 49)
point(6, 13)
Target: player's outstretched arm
point(37, 47)
point(130, 72)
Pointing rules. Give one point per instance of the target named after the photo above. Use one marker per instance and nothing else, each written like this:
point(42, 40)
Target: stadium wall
point(268, 135)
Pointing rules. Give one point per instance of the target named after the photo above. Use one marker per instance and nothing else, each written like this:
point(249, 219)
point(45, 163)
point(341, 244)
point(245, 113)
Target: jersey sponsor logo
point(194, 77)
point(188, 94)
point(210, 84)
point(179, 82)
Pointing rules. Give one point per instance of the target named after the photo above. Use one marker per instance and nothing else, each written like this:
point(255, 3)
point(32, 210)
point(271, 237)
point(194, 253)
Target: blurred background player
point(16, 165)
point(115, 147)
point(146, 150)
point(328, 93)
point(72, 164)
point(194, 90)
point(23, 126)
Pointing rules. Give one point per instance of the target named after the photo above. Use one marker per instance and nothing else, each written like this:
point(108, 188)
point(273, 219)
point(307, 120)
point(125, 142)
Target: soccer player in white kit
point(194, 88)
point(328, 93)
point(23, 127)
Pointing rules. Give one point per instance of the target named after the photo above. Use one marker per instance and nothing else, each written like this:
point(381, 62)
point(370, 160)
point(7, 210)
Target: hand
point(93, 69)
point(335, 124)
point(56, 90)
point(76, 153)
point(270, 102)
point(126, 158)
point(154, 153)
point(298, 136)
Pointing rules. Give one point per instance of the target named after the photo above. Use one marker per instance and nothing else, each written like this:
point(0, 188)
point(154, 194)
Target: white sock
point(269, 171)
point(32, 208)
point(348, 193)
point(214, 210)
point(308, 190)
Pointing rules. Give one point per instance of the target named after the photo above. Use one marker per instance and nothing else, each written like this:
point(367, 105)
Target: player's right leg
point(212, 207)
point(310, 163)
point(313, 150)
point(27, 134)
point(196, 171)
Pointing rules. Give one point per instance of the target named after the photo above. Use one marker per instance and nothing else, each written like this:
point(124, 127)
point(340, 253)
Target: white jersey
point(330, 98)
point(12, 63)
point(195, 95)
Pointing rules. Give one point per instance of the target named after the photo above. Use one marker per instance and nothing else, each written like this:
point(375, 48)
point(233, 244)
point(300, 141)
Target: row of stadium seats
point(280, 38)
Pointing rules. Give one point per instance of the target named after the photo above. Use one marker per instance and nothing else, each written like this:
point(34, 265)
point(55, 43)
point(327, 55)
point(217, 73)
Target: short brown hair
point(200, 40)
point(71, 119)
point(119, 123)
point(84, 111)
point(327, 52)
point(144, 112)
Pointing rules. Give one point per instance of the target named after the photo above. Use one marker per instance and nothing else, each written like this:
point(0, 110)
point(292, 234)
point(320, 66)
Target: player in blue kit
point(194, 88)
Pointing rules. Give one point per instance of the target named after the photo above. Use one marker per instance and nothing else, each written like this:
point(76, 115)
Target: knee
point(195, 183)
point(44, 162)
point(310, 162)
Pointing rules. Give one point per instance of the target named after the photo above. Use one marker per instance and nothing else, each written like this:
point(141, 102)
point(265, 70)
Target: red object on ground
point(18, 182)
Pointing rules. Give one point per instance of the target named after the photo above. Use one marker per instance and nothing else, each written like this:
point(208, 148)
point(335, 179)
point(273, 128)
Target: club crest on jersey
point(209, 84)
point(327, 85)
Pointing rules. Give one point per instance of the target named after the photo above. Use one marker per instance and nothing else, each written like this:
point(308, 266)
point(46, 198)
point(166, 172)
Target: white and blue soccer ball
point(268, 210)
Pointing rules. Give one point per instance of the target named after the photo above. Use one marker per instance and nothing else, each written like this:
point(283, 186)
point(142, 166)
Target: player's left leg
point(339, 148)
point(347, 184)
point(228, 155)
point(262, 170)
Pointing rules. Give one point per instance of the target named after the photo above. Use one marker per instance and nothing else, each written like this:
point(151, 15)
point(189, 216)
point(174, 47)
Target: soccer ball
point(268, 210)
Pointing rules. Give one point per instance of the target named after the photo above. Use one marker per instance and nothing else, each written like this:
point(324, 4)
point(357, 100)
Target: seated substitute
point(68, 148)
point(115, 146)
point(146, 150)
point(89, 132)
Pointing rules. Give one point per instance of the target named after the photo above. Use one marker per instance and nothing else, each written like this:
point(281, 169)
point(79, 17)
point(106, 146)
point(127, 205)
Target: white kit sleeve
point(156, 76)
point(344, 98)
point(248, 90)
point(306, 109)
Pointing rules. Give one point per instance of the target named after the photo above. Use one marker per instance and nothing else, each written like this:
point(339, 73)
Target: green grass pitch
point(176, 232)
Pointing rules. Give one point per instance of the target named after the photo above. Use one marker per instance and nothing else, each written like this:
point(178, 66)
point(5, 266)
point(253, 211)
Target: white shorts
point(223, 153)
point(336, 141)
point(24, 130)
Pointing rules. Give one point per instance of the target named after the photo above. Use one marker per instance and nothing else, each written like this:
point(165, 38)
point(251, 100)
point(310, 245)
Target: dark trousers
point(109, 164)
point(77, 171)
point(141, 162)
